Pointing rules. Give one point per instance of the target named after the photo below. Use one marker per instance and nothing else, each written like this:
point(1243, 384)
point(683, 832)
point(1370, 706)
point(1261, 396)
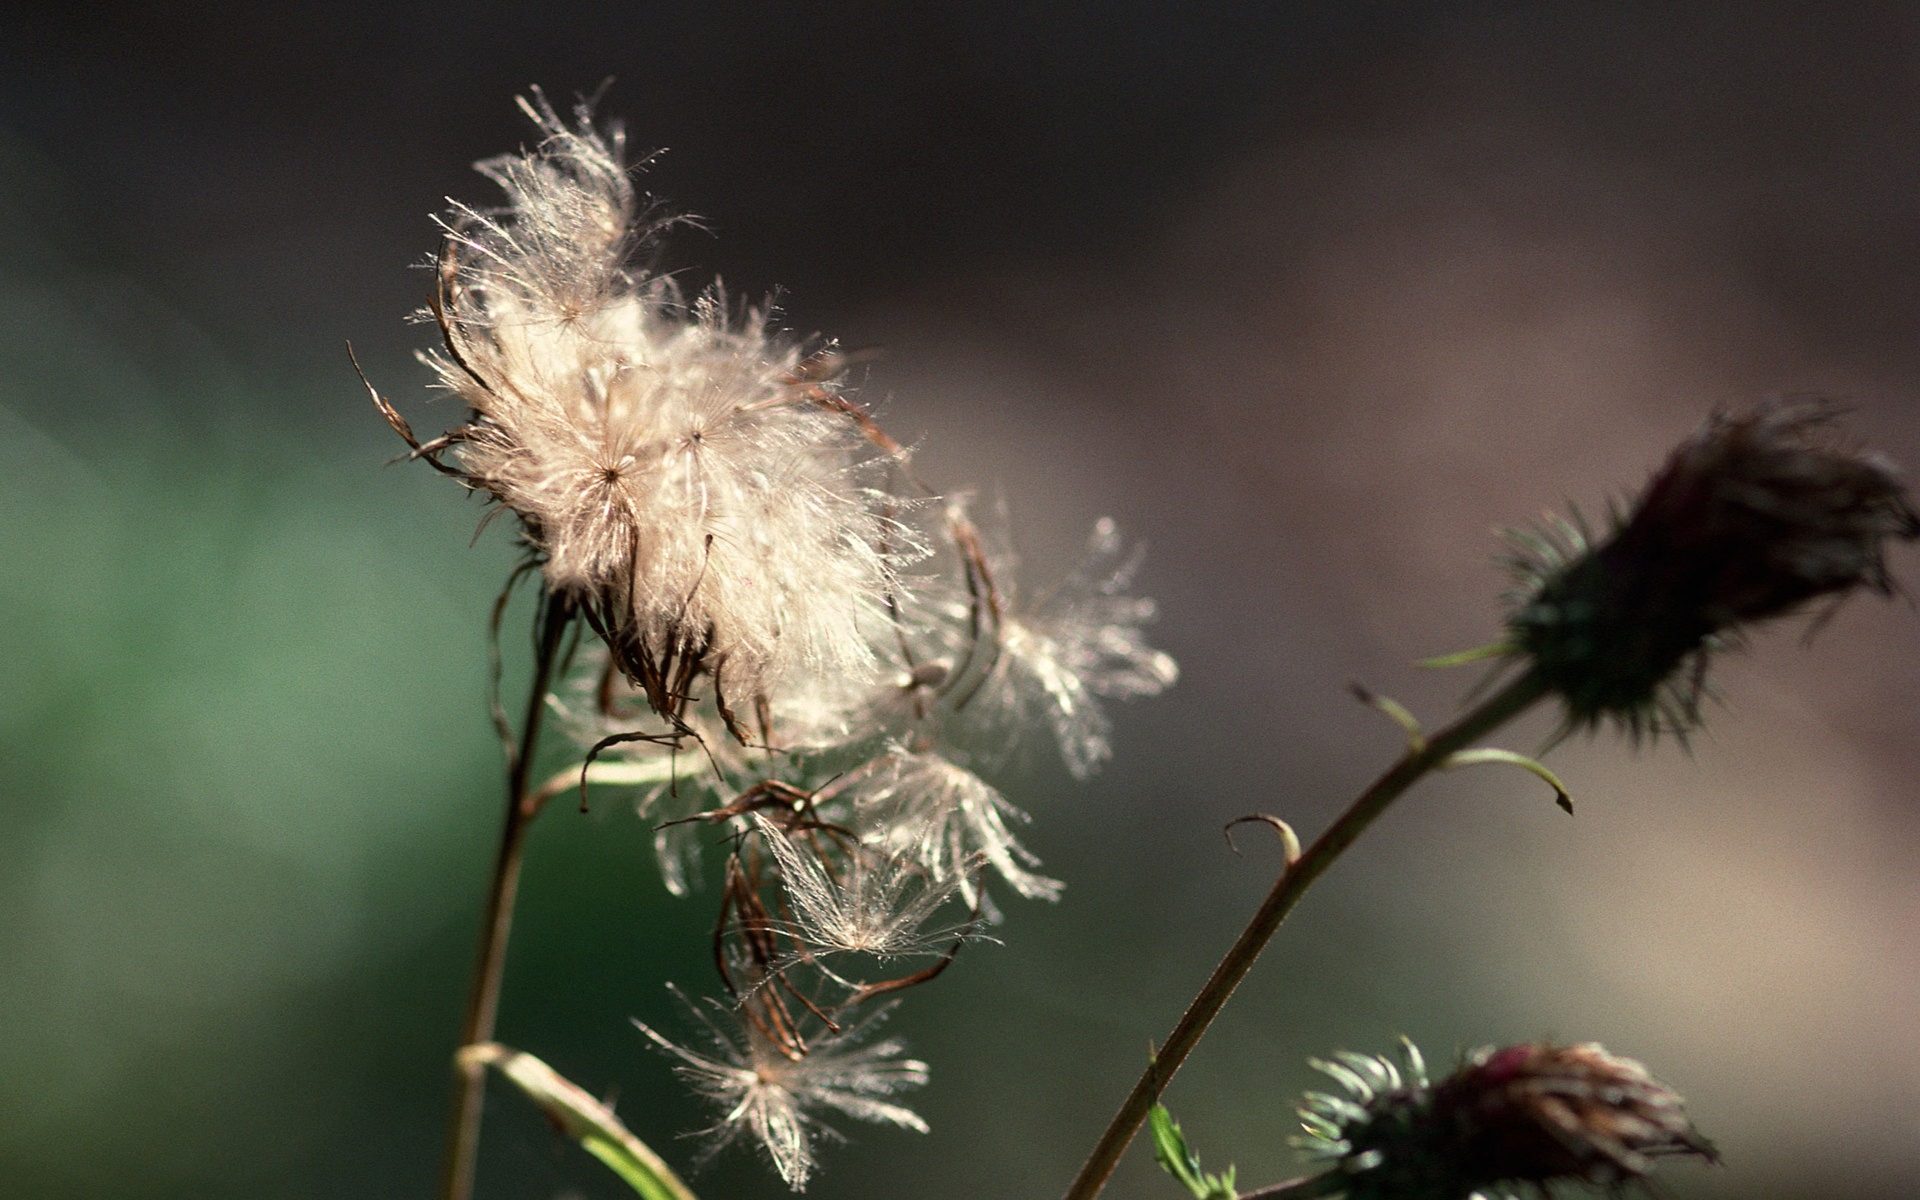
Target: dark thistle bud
point(1530, 1115)
point(1751, 518)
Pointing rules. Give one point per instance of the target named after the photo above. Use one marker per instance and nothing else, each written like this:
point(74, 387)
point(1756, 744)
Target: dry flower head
point(802, 652)
point(1508, 1122)
point(1751, 518)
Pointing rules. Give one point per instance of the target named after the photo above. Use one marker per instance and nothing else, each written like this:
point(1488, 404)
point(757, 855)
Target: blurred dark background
point(1310, 296)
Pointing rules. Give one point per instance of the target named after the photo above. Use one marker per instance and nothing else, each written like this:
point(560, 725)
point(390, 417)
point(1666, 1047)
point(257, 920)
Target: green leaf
point(1171, 1151)
point(1394, 711)
point(1470, 758)
point(587, 1121)
point(1462, 657)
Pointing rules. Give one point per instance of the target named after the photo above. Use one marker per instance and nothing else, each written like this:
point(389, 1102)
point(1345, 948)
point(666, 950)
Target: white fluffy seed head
point(876, 903)
point(923, 807)
point(774, 1097)
point(693, 487)
point(1080, 642)
point(671, 464)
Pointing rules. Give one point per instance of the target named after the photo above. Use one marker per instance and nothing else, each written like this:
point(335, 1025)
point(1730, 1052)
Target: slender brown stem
point(1420, 758)
point(483, 997)
point(1330, 1183)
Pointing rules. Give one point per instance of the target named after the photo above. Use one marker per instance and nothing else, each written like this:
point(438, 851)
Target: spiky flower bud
point(1751, 518)
point(1530, 1115)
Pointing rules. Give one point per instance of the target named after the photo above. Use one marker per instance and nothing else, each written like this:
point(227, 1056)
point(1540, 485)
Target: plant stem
point(483, 996)
point(1420, 758)
point(1331, 1183)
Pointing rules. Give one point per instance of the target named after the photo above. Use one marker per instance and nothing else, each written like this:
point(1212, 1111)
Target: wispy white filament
point(877, 904)
point(1083, 640)
point(772, 1097)
point(943, 816)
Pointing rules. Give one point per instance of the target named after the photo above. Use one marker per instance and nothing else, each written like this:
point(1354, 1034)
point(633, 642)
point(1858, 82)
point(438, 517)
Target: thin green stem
point(483, 996)
point(1417, 762)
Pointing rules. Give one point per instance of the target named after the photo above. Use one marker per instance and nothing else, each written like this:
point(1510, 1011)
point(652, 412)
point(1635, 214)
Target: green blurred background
point(1310, 296)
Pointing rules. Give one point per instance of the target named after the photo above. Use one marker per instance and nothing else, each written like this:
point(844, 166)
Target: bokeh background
point(1310, 296)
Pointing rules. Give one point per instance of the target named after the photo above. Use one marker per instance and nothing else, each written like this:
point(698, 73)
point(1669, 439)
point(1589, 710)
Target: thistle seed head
point(684, 480)
point(734, 530)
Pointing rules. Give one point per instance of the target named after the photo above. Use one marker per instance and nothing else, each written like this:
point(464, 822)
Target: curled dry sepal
point(1751, 518)
point(803, 654)
point(1518, 1117)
